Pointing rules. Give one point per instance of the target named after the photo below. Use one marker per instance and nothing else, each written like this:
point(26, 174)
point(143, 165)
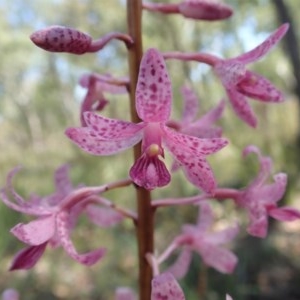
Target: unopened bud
point(62, 39)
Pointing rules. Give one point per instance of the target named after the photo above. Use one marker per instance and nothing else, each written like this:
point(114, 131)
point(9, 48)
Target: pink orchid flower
point(241, 83)
point(209, 10)
point(65, 39)
point(260, 197)
point(56, 216)
point(207, 244)
point(96, 86)
point(105, 136)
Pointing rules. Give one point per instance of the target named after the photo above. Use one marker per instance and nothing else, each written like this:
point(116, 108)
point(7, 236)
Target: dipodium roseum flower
point(241, 83)
point(96, 86)
point(56, 217)
point(260, 197)
point(209, 10)
point(105, 136)
point(207, 244)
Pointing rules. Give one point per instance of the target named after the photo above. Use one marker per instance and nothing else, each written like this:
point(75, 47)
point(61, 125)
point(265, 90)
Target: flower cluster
point(188, 140)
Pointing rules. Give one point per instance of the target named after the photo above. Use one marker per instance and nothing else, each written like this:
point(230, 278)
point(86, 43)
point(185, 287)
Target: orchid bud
point(62, 39)
point(204, 10)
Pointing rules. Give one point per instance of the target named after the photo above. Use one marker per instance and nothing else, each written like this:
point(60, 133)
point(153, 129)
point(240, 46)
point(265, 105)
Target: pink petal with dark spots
point(193, 144)
point(153, 91)
point(35, 232)
point(110, 129)
point(27, 258)
point(190, 104)
point(241, 107)
point(88, 258)
point(149, 172)
point(102, 216)
point(262, 49)
point(205, 10)
point(285, 213)
point(255, 86)
point(62, 39)
point(165, 287)
point(89, 140)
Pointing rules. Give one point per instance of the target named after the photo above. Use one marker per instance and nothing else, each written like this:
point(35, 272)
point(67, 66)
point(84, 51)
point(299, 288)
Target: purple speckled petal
point(89, 141)
point(149, 172)
point(204, 10)
point(262, 49)
point(190, 104)
point(258, 87)
point(190, 152)
point(180, 267)
point(27, 258)
point(193, 144)
point(241, 107)
point(35, 232)
point(285, 213)
point(153, 91)
point(165, 287)
point(88, 258)
point(110, 129)
point(61, 39)
point(102, 216)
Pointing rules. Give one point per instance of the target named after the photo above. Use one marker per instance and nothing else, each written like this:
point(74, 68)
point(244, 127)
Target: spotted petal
point(262, 49)
point(164, 286)
point(258, 87)
point(110, 129)
point(153, 91)
point(88, 140)
point(241, 107)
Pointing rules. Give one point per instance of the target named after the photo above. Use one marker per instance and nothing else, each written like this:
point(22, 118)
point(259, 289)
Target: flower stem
point(145, 222)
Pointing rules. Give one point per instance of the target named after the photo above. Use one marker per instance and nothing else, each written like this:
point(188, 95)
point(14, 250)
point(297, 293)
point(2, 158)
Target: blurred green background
point(40, 97)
